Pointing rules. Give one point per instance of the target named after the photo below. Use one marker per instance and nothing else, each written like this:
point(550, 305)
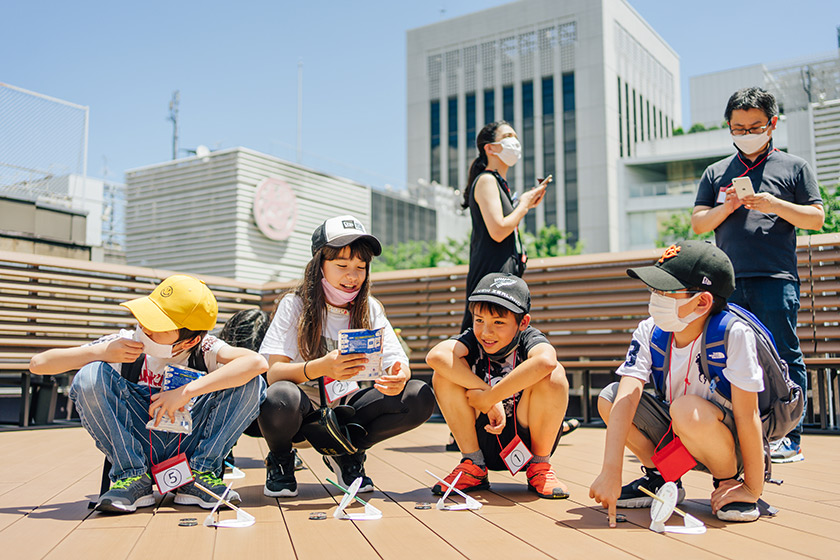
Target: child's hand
point(606, 489)
point(480, 400)
point(122, 351)
point(343, 366)
point(731, 491)
point(394, 383)
point(497, 418)
point(167, 403)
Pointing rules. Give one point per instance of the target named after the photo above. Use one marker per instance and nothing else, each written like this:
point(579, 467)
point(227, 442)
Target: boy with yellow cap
point(117, 390)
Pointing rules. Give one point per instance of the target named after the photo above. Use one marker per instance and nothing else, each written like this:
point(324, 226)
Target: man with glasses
point(758, 231)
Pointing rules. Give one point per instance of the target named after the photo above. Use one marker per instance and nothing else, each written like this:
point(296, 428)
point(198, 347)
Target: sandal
point(570, 425)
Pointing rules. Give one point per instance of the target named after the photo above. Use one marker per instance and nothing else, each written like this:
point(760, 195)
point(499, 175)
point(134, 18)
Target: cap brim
point(506, 303)
point(150, 315)
point(345, 240)
point(656, 278)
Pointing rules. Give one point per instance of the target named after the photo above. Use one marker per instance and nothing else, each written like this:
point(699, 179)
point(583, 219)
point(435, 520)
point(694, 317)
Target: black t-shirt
point(491, 371)
point(758, 244)
point(486, 255)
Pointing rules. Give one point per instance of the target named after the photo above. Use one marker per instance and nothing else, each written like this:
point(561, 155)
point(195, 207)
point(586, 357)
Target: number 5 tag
point(516, 455)
point(172, 473)
point(336, 389)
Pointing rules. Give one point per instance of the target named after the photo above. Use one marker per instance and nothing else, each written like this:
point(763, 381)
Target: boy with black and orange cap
point(689, 286)
point(117, 390)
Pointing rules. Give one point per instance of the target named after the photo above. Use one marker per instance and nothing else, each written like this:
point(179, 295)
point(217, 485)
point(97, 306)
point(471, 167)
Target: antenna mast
point(173, 116)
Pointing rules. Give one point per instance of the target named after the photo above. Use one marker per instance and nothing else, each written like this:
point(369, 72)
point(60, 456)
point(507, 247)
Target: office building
point(582, 82)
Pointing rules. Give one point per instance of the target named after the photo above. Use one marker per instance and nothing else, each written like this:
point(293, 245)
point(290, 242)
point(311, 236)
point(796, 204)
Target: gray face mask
point(503, 353)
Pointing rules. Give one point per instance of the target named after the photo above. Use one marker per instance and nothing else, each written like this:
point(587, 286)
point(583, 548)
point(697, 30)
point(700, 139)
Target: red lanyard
point(515, 430)
point(750, 168)
point(687, 370)
point(147, 374)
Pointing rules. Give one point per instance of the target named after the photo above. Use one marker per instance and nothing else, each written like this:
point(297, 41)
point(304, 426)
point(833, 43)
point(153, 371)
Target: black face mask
point(503, 353)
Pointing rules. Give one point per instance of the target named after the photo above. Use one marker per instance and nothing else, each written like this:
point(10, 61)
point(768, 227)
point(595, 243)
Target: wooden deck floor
point(47, 478)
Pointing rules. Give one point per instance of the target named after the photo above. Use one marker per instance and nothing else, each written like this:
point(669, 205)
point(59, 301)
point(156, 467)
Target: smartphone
point(543, 183)
point(743, 186)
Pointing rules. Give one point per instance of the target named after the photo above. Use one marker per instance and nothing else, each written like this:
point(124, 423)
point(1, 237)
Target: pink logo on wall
point(275, 208)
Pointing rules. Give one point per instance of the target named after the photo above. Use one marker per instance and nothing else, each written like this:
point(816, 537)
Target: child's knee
point(442, 385)
point(604, 409)
point(691, 411)
point(555, 382)
point(90, 379)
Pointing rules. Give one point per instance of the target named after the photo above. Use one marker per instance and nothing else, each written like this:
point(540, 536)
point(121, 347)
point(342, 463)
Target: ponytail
point(487, 135)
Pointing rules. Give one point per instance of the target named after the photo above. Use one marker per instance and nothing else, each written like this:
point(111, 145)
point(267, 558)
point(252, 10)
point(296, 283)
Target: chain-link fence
point(41, 139)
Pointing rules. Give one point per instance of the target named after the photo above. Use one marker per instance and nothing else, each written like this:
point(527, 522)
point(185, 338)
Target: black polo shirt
point(760, 244)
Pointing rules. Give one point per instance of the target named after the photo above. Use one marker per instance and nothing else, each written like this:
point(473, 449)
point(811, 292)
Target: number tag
point(516, 455)
point(337, 389)
point(721, 196)
point(172, 473)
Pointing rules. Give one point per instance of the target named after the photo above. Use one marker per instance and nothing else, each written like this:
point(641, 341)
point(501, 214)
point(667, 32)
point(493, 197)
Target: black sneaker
point(280, 475)
point(632, 497)
point(127, 494)
point(348, 468)
point(190, 494)
point(739, 511)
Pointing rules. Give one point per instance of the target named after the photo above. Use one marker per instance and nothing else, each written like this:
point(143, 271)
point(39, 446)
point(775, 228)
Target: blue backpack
point(780, 403)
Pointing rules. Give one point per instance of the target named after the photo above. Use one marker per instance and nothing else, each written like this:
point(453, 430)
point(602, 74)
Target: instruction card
point(362, 341)
point(175, 376)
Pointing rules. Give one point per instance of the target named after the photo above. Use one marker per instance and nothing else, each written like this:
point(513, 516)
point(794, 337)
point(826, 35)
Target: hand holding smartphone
point(543, 184)
point(743, 187)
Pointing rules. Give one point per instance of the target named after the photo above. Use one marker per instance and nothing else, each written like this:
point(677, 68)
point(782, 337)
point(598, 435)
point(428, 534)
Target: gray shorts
point(653, 417)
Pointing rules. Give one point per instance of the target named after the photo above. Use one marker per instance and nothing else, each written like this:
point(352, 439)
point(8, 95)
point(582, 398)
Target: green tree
point(678, 131)
point(549, 242)
point(422, 254)
point(676, 228)
point(696, 127)
point(831, 206)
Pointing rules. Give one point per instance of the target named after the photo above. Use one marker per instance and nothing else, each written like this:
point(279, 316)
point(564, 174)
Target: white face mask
point(511, 151)
point(152, 348)
point(751, 143)
point(665, 312)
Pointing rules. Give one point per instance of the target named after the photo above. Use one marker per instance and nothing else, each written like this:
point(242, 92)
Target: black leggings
point(285, 406)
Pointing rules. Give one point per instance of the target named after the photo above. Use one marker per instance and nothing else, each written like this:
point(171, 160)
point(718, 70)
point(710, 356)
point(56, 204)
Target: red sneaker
point(474, 478)
point(542, 480)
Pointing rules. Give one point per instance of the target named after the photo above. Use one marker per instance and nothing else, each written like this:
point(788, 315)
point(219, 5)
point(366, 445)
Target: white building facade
point(583, 82)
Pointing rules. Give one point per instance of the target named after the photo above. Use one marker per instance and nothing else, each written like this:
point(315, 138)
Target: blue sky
point(235, 64)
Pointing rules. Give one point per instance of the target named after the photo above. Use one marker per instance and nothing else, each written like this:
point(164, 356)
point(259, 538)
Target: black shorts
point(489, 444)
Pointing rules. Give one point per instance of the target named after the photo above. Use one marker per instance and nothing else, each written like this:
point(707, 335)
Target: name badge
point(172, 473)
point(516, 455)
point(721, 195)
point(336, 389)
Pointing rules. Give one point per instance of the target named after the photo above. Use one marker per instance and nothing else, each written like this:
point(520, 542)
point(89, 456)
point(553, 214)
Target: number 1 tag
point(516, 455)
point(336, 389)
point(172, 473)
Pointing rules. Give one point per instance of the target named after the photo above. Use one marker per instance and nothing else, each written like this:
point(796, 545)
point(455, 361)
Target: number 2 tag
point(336, 389)
point(516, 455)
point(172, 473)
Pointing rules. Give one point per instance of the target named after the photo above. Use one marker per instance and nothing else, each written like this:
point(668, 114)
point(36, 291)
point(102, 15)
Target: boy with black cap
point(497, 383)
point(688, 284)
point(117, 390)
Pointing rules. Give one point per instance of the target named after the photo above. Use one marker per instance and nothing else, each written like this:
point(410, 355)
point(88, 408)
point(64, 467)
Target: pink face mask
point(335, 296)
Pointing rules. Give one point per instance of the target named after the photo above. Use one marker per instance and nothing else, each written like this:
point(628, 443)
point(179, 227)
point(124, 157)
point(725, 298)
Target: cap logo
point(166, 292)
point(502, 282)
point(706, 281)
point(670, 253)
point(350, 224)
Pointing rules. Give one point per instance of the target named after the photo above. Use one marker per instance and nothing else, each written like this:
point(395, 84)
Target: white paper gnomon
point(234, 473)
point(663, 506)
point(349, 495)
point(243, 518)
point(471, 503)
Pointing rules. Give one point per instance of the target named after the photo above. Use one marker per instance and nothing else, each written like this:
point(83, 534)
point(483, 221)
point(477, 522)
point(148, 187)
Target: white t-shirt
point(152, 372)
point(281, 338)
point(742, 367)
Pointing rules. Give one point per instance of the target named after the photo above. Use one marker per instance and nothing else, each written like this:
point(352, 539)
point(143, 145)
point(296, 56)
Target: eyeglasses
point(754, 130)
point(671, 292)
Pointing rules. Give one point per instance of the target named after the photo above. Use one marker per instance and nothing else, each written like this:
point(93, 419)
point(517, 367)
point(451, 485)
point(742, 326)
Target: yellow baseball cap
point(178, 302)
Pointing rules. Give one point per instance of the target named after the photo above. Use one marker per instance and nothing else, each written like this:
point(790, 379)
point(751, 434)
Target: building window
point(549, 151)
point(635, 121)
point(489, 106)
point(434, 170)
point(529, 175)
point(507, 103)
point(627, 115)
point(620, 124)
point(452, 157)
point(471, 132)
point(647, 103)
point(570, 157)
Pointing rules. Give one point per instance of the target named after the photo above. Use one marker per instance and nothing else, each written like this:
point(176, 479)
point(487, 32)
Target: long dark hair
point(486, 135)
point(310, 327)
